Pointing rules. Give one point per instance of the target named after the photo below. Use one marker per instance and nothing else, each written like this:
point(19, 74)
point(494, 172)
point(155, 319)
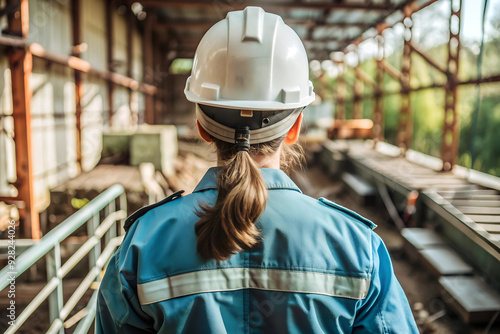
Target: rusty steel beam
point(391, 70)
point(323, 24)
point(148, 67)
point(428, 58)
point(187, 25)
point(109, 56)
point(12, 42)
point(185, 54)
point(130, 56)
point(358, 91)
point(10, 8)
point(75, 18)
point(159, 59)
point(409, 6)
point(365, 77)
point(449, 141)
point(378, 112)
point(21, 63)
point(329, 39)
point(482, 80)
point(205, 25)
point(78, 64)
point(341, 92)
point(405, 120)
point(228, 5)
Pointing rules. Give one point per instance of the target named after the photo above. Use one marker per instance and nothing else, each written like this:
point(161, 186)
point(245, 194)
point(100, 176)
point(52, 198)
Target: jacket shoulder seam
point(142, 211)
point(349, 212)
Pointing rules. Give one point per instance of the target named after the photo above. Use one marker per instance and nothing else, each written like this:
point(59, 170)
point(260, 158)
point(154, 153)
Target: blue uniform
point(318, 269)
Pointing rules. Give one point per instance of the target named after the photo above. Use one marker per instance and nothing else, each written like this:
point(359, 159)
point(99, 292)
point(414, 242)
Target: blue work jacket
point(318, 269)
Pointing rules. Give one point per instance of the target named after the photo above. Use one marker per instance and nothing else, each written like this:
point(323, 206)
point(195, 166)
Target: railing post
point(50, 249)
point(56, 297)
point(123, 206)
point(96, 250)
point(111, 233)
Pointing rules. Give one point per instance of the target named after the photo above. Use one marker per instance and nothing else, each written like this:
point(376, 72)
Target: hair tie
point(242, 138)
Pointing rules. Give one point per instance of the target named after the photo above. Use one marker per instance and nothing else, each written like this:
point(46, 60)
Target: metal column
point(132, 96)
point(21, 62)
point(378, 112)
point(109, 57)
point(341, 91)
point(405, 124)
point(75, 17)
point(449, 143)
point(148, 68)
point(358, 91)
point(159, 58)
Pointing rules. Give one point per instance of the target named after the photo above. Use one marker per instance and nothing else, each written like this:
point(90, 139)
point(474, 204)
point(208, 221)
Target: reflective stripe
point(250, 278)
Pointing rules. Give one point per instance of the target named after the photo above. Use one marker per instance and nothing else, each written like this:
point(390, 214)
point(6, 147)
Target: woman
point(247, 251)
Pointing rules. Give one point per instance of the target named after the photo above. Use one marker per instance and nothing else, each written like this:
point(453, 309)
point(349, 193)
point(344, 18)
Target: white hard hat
point(251, 60)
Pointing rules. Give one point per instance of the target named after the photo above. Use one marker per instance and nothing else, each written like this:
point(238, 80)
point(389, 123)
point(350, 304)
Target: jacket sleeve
point(118, 308)
point(385, 309)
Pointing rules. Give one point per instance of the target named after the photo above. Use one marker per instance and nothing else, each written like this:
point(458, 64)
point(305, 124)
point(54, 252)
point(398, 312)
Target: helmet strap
point(242, 138)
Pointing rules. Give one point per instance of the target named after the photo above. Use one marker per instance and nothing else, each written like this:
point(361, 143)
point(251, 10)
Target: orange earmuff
point(293, 133)
point(203, 133)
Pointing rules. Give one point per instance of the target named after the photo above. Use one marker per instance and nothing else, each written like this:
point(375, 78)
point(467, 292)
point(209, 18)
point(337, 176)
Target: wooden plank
point(445, 261)
point(442, 187)
point(422, 238)
point(475, 210)
point(471, 297)
point(438, 181)
point(360, 190)
point(491, 228)
point(485, 218)
point(476, 203)
point(460, 194)
point(495, 236)
point(471, 196)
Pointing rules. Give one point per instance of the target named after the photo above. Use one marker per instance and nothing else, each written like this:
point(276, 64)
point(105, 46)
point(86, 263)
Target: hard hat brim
point(250, 104)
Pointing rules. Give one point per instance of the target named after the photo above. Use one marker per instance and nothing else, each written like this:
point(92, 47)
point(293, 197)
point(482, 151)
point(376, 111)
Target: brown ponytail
point(229, 226)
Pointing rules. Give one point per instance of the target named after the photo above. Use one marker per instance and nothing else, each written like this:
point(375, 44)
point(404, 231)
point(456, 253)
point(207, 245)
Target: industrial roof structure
point(324, 26)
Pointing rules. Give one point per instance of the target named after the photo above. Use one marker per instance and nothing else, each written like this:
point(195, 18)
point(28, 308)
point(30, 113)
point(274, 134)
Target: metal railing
point(50, 247)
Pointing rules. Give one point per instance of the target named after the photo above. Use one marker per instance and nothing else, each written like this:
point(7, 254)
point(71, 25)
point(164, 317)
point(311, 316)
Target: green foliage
point(428, 105)
point(181, 66)
point(487, 138)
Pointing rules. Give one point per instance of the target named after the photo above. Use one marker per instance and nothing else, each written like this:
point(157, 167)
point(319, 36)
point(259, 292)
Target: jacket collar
point(274, 178)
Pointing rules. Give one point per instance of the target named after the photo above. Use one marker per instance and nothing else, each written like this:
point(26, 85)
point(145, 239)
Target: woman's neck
point(268, 161)
point(265, 161)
